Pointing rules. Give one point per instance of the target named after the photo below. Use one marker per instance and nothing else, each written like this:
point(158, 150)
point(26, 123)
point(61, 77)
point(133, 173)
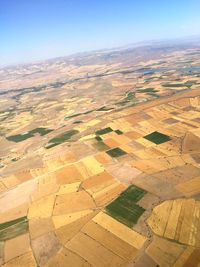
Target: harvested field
point(177, 220)
point(26, 260)
point(73, 202)
point(42, 208)
point(68, 174)
point(109, 240)
point(164, 252)
point(12, 249)
point(68, 258)
point(123, 232)
point(92, 251)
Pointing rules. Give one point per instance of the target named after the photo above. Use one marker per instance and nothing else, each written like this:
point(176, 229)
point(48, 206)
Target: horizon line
point(125, 46)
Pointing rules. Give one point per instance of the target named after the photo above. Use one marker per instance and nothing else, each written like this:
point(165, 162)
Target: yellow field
point(177, 220)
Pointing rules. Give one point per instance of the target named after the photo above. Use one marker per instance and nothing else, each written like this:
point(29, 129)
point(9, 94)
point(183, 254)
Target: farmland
point(99, 160)
point(61, 138)
point(124, 208)
point(26, 135)
point(157, 138)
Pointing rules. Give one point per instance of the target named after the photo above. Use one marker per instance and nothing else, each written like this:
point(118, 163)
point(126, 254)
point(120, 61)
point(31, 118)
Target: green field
point(190, 83)
point(147, 90)
point(72, 116)
point(173, 85)
point(51, 145)
point(13, 228)
point(98, 138)
point(157, 138)
point(119, 132)
point(133, 193)
point(104, 109)
point(124, 208)
point(116, 152)
point(61, 138)
point(153, 94)
point(77, 122)
point(130, 96)
point(104, 131)
point(27, 135)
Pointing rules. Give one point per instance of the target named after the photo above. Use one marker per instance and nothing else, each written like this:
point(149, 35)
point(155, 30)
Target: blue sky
point(38, 29)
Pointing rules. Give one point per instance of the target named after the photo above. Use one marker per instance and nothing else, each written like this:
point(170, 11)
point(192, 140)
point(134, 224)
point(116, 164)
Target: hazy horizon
point(103, 49)
point(38, 30)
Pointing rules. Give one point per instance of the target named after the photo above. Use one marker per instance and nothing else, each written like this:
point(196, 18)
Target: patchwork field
point(99, 161)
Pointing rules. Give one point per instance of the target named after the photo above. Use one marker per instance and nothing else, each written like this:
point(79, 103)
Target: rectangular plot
point(98, 138)
point(194, 237)
point(124, 208)
point(187, 221)
point(109, 240)
point(123, 232)
point(13, 222)
point(13, 228)
point(104, 131)
point(170, 230)
point(157, 138)
point(134, 193)
point(124, 214)
point(119, 132)
point(96, 254)
point(116, 152)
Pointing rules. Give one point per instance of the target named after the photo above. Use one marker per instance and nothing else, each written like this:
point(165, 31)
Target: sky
point(32, 30)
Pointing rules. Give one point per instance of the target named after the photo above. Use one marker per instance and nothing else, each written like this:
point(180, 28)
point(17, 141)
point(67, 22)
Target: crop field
point(104, 109)
point(116, 152)
point(157, 138)
point(166, 253)
point(148, 90)
point(104, 131)
point(177, 220)
point(24, 136)
point(13, 228)
point(98, 138)
point(62, 138)
point(186, 84)
point(129, 97)
point(124, 208)
point(118, 131)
